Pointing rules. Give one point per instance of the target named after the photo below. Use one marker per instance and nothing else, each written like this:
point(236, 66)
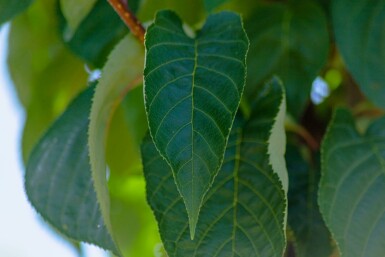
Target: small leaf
point(311, 236)
point(352, 191)
point(359, 31)
point(75, 11)
point(192, 89)
point(243, 213)
point(290, 40)
point(58, 178)
point(123, 71)
point(9, 9)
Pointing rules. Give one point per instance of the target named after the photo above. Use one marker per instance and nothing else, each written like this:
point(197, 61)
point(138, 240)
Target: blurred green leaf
point(210, 5)
point(9, 9)
point(58, 177)
point(312, 238)
point(359, 33)
point(290, 40)
point(46, 75)
point(192, 90)
point(351, 191)
point(75, 11)
point(122, 72)
point(243, 213)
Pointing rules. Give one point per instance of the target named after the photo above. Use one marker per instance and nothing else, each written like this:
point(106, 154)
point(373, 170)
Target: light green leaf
point(58, 177)
point(123, 71)
point(359, 33)
point(75, 11)
point(45, 74)
point(290, 40)
point(8, 9)
point(243, 213)
point(352, 191)
point(311, 236)
point(192, 89)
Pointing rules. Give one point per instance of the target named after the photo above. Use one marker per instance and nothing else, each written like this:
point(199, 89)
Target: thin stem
point(128, 17)
point(304, 134)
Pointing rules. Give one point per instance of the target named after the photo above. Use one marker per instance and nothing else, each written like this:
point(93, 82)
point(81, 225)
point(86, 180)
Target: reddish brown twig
point(122, 9)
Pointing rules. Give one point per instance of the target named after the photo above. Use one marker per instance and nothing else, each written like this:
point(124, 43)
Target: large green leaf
point(243, 213)
point(359, 32)
point(290, 40)
point(352, 191)
point(8, 9)
point(192, 89)
point(45, 74)
point(311, 237)
point(122, 72)
point(58, 177)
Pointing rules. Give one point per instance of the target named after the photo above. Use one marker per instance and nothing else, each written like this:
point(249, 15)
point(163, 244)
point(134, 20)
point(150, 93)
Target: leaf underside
point(243, 212)
point(352, 191)
point(359, 33)
point(192, 91)
point(58, 177)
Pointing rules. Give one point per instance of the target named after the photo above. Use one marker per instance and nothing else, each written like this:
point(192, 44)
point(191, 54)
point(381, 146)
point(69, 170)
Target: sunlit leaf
point(123, 71)
point(58, 177)
point(45, 74)
point(290, 40)
point(243, 213)
point(359, 33)
point(352, 191)
point(192, 89)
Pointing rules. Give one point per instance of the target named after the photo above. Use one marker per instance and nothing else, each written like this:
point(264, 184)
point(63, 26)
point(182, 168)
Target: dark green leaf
point(290, 40)
point(359, 33)
point(312, 238)
point(96, 35)
point(192, 89)
point(8, 9)
point(58, 177)
point(352, 191)
point(243, 213)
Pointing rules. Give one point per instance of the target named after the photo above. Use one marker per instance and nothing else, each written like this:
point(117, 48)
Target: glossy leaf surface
point(192, 89)
point(243, 214)
point(359, 33)
point(352, 192)
point(58, 177)
point(290, 40)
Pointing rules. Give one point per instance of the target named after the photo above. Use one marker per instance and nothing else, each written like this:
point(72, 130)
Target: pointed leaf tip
point(193, 88)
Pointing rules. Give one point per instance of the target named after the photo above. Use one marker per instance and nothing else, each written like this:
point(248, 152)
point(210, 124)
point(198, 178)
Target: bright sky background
point(22, 233)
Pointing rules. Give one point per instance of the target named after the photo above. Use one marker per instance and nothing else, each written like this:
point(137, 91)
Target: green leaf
point(192, 89)
point(359, 30)
point(97, 34)
point(243, 213)
point(75, 11)
point(123, 71)
point(210, 5)
point(311, 236)
point(58, 177)
point(9, 9)
point(290, 40)
point(45, 74)
point(352, 192)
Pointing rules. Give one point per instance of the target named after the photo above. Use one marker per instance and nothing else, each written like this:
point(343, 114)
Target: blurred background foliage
point(53, 55)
